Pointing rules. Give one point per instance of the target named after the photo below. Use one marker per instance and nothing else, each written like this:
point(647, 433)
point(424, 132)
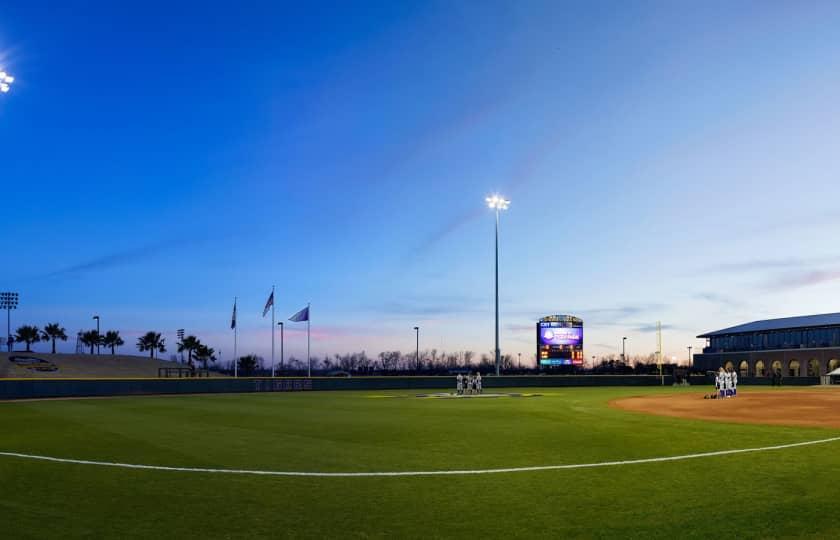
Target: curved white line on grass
point(418, 473)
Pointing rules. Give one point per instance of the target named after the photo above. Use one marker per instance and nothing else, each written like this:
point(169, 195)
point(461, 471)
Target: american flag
point(268, 303)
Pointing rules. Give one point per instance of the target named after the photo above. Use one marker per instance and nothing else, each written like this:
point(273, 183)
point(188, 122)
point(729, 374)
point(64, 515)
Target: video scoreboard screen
point(560, 341)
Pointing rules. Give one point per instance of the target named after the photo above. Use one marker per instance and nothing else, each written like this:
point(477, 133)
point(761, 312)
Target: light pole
point(417, 353)
point(498, 204)
point(6, 81)
point(9, 301)
point(520, 360)
point(280, 324)
point(97, 333)
point(180, 333)
point(623, 355)
point(689, 356)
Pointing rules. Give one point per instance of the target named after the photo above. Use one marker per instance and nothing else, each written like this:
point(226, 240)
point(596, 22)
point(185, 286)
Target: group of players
point(726, 383)
point(468, 384)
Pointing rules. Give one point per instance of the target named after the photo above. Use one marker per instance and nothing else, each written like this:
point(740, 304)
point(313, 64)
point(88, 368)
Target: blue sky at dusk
point(665, 161)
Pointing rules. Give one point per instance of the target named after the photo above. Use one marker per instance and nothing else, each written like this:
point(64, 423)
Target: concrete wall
point(42, 388)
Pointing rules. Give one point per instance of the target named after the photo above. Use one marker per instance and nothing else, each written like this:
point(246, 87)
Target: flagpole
point(308, 356)
point(272, 330)
point(235, 331)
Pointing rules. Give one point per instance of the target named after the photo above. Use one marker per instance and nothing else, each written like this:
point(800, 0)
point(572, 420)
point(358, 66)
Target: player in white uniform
point(478, 382)
point(460, 384)
point(734, 383)
point(727, 379)
point(719, 383)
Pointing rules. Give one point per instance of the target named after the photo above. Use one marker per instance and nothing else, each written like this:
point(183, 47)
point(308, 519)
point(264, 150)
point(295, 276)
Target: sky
point(665, 161)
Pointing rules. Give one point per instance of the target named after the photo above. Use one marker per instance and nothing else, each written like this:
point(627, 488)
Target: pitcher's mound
point(813, 408)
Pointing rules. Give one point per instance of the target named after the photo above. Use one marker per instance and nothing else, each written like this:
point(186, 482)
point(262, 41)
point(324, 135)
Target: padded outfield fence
point(57, 388)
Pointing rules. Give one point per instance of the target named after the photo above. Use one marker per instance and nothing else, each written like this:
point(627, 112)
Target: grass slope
point(781, 493)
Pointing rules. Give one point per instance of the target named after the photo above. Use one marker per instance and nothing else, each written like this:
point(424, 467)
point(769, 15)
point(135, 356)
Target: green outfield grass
point(790, 493)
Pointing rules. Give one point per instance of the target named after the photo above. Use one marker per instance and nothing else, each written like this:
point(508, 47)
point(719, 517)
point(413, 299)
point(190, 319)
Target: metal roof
point(787, 323)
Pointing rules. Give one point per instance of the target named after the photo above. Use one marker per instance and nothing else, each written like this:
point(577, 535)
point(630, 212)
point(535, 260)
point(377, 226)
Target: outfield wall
point(57, 388)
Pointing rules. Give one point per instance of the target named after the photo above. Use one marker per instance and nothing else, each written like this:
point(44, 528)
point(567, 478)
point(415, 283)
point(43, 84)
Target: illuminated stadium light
point(497, 202)
point(6, 81)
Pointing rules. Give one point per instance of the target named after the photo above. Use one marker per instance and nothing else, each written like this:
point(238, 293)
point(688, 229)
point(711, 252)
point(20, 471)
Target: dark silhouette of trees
point(189, 344)
point(248, 364)
point(152, 342)
point(52, 332)
point(205, 354)
point(113, 340)
point(29, 335)
point(91, 338)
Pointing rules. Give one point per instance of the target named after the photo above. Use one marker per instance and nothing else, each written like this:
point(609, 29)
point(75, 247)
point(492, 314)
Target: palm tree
point(29, 335)
point(204, 354)
point(91, 338)
point(189, 344)
point(112, 339)
point(151, 341)
point(52, 332)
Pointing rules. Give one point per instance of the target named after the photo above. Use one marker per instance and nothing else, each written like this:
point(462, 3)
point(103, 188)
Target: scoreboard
point(560, 341)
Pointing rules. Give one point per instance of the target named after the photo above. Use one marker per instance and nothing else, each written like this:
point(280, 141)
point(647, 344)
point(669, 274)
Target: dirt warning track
point(816, 407)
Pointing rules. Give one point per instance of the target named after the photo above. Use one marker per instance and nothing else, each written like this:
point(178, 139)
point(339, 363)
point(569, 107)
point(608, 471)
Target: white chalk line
point(418, 473)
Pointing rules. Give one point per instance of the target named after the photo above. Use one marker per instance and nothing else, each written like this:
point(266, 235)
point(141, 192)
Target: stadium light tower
point(498, 204)
point(417, 350)
point(9, 301)
point(6, 81)
point(96, 317)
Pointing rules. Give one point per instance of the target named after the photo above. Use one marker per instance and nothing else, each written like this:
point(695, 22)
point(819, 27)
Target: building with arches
point(806, 346)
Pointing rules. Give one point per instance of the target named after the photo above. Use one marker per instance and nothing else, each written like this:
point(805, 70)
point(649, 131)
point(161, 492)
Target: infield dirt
point(816, 407)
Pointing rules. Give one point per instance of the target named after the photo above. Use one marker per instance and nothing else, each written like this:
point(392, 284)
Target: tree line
point(151, 342)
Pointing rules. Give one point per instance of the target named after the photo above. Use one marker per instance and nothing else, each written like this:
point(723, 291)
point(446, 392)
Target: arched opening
point(776, 366)
point(744, 369)
point(759, 368)
point(729, 365)
point(793, 368)
point(813, 367)
point(833, 364)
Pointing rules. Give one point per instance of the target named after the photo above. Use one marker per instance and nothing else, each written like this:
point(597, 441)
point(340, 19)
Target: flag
point(300, 316)
point(268, 303)
point(233, 317)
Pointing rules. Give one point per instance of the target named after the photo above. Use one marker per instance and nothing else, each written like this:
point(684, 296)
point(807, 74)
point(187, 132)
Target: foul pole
point(235, 332)
point(308, 355)
point(273, 301)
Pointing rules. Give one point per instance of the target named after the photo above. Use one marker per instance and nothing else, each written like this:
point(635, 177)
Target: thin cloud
point(450, 227)
point(649, 328)
point(770, 264)
point(805, 278)
point(430, 307)
point(104, 262)
point(715, 298)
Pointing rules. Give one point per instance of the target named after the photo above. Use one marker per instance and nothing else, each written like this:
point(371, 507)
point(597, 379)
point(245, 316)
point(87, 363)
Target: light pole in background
point(6, 81)
point(498, 204)
point(417, 353)
point(623, 355)
point(689, 356)
point(180, 334)
point(280, 324)
point(97, 333)
point(9, 301)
